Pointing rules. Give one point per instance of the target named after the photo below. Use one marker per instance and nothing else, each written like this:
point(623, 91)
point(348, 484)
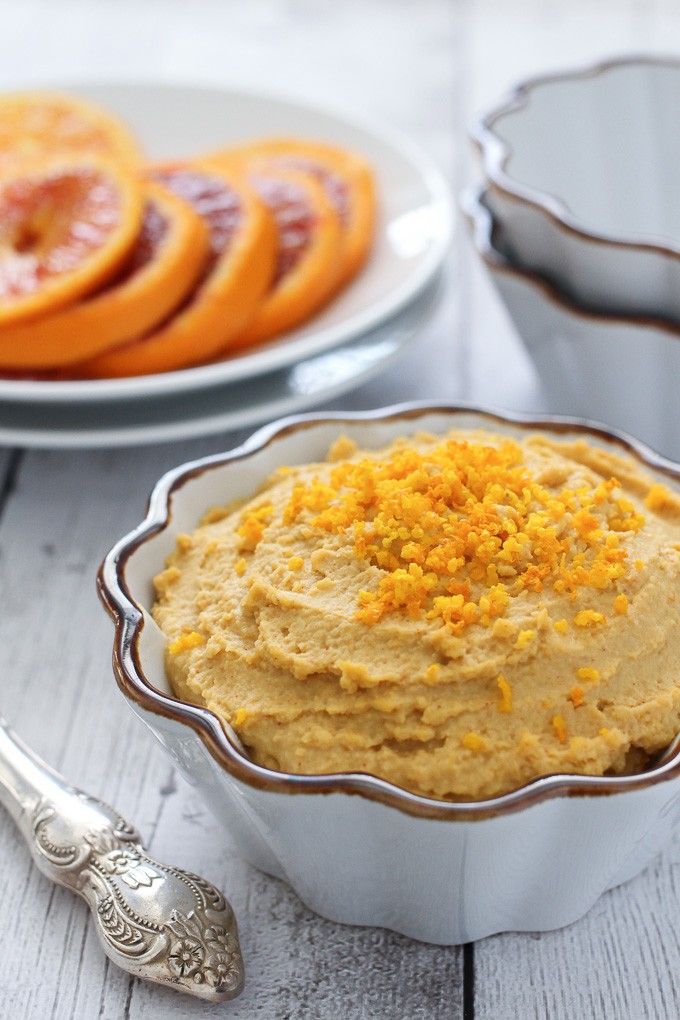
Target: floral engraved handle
point(155, 921)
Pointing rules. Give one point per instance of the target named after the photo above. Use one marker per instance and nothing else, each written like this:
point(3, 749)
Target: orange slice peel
point(308, 263)
point(346, 177)
point(240, 267)
point(168, 256)
point(66, 227)
point(38, 124)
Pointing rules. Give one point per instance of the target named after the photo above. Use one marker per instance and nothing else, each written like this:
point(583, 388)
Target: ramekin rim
point(495, 153)
point(484, 224)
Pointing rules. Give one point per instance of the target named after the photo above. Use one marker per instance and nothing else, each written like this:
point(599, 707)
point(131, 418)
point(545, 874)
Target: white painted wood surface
point(426, 68)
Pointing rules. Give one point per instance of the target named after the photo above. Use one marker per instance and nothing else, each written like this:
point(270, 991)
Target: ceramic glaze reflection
point(617, 370)
point(583, 170)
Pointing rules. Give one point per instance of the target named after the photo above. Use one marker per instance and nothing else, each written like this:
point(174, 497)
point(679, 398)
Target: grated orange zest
point(559, 728)
point(185, 641)
point(253, 525)
point(576, 696)
point(660, 498)
point(460, 530)
point(473, 742)
point(505, 704)
point(588, 618)
point(524, 638)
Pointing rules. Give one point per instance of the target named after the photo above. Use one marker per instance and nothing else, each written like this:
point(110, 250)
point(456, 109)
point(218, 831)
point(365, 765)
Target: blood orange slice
point(239, 270)
point(38, 124)
point(345, 176)
point(66, 227)
point(308, 264)
point(166, 261)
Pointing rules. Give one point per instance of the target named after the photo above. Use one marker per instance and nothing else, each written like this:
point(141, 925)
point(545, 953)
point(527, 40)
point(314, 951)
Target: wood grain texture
point(620, 961)
point(427, 69)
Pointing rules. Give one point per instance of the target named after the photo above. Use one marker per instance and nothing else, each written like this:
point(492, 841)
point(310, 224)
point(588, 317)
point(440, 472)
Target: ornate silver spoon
point(154, 921)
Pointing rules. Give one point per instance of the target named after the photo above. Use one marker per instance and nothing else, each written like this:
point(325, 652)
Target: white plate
point(412, 238)
point(225, 406)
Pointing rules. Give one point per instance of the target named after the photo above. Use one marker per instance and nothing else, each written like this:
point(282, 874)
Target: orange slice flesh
point(345, 176)
point(66, 227)
point(38, 124)
point(239, 270)
point(308, 263)
point(166, 261)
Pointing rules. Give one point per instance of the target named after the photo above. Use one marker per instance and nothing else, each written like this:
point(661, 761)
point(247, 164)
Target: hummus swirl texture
point(455, 614)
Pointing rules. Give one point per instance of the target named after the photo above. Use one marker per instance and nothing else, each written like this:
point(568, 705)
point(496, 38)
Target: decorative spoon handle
point(154, 921)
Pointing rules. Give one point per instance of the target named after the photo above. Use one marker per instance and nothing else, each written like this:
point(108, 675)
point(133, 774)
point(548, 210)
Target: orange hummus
point(456, 614)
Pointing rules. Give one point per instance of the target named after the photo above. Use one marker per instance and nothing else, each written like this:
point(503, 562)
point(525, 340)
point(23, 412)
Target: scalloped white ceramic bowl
point(621, 370)
point(583, 171)
point(355, 848)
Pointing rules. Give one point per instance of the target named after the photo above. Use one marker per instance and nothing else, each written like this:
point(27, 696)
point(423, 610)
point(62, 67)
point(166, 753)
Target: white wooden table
point(425, 68)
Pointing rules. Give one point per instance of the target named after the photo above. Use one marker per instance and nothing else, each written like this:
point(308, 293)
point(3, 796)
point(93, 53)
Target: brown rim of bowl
point(495, 153)
point(218, 737)
point(485, 228)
